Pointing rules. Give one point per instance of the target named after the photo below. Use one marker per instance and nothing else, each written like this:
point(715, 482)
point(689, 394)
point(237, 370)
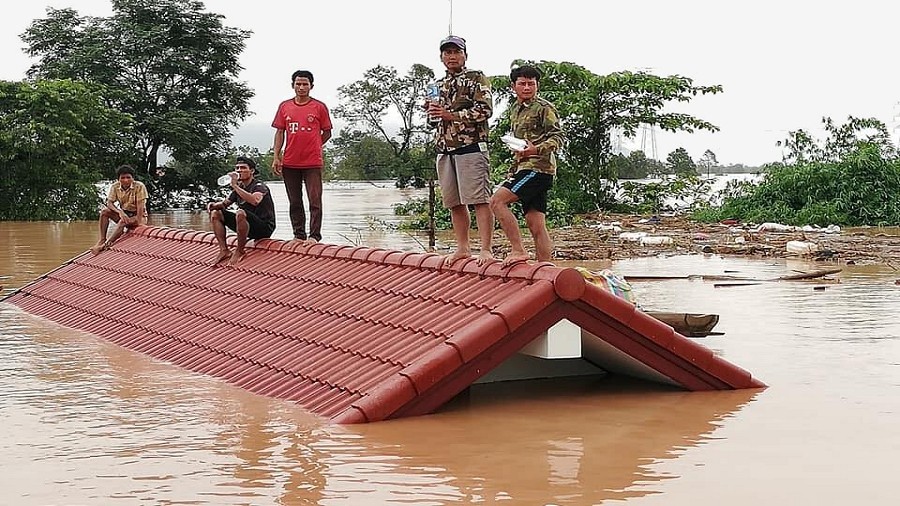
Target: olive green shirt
point(538, 122)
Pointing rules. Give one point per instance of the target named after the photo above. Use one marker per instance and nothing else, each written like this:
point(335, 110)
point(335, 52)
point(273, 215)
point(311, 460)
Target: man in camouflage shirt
point(461, 138)
point(535, 120)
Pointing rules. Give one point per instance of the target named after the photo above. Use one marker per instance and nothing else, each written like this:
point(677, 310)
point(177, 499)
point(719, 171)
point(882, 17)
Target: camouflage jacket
point(538, 122)
point(467, 95)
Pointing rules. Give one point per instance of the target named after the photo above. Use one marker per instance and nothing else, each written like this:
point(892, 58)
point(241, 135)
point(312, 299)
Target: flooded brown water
point(86, 422)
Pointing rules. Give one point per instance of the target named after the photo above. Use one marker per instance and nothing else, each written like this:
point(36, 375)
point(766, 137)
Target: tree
point(591, 106)
point(361, 155)
point(680, 162)
point(54, 136)
point(840, 141)
point(366, 103)
point(634, 166)
point(851, 177)
point(169, 64)
point(708, 161)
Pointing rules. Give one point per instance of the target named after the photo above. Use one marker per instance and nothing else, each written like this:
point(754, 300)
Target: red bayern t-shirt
point(303, 126)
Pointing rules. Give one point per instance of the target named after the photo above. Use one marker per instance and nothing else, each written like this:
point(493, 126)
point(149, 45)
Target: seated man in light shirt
point(126, 206)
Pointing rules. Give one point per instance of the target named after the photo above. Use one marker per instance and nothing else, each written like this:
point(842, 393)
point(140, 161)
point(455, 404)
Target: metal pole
point(430, 213)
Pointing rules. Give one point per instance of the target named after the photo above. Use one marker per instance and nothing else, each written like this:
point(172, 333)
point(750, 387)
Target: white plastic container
point(514, 143)
point(631, 236)
point(801, 247)
point(655, 240)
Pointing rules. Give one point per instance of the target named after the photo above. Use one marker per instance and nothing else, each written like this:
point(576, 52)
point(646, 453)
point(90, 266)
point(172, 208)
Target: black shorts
point(259, 229)
point(531, 187)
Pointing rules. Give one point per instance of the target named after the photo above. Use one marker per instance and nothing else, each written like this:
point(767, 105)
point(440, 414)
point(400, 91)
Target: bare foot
point(514, 258)
point(236, 257)
point(310, 241)
point(224, 254)
point(484, 257)
point(298, 239)
point(453, 257)
point(100, 246)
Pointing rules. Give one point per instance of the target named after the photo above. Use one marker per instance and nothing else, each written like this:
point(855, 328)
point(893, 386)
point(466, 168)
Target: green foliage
point(840, 141)
point(167, 63)
point(634, 166)
point(680, 162)
point(54, 137)
point(708, 162)
point(416, 211)
point(667, 194)
point(368, 148)
point(591, 107)
point(852, 178)
point(361, 155)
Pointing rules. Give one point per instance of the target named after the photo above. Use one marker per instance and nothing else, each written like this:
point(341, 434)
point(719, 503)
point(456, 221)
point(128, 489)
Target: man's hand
point(436, 110)
point(529, 151)
point(276, 165)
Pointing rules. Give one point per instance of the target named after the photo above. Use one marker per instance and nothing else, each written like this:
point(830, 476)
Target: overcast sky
point(783, 64)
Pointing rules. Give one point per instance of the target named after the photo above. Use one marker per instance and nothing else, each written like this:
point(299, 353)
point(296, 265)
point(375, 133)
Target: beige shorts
point(464, 179)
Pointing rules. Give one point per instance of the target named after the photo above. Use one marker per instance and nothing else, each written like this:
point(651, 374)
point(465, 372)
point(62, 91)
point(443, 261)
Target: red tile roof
point(353, 334)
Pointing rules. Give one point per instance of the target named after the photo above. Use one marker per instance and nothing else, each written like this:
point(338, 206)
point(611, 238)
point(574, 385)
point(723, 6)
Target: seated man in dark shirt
point(254, 218)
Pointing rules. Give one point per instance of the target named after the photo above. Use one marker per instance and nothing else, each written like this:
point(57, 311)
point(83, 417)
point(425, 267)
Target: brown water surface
point(87, 422)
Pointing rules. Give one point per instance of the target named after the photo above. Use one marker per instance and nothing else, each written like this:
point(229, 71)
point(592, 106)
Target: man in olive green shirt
point(535, 120)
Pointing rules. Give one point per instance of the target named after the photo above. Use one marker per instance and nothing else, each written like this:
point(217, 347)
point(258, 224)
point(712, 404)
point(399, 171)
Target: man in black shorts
point(254, 218)
point(535, 120)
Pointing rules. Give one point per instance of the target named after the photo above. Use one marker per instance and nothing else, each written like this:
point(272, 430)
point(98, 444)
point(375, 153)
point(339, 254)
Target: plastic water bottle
point(226, 179)
point(433, 95)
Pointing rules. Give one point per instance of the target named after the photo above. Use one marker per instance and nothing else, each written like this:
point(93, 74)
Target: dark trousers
point(294, 180)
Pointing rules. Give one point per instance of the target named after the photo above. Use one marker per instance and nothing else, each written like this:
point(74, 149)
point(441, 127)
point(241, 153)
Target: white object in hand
point(514, 143)
point(433, 95)
point(226, 179)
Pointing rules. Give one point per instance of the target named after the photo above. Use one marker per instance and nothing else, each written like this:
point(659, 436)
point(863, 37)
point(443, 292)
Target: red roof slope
point(353, 334)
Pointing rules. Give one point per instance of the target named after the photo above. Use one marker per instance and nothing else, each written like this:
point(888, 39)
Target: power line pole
point(450, 21)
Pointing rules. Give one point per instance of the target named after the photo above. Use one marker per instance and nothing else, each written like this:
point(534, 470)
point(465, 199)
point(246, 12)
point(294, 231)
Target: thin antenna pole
point(450, 21)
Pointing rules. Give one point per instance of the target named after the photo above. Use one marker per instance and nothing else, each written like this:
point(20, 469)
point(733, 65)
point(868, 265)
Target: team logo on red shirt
point(310, 118)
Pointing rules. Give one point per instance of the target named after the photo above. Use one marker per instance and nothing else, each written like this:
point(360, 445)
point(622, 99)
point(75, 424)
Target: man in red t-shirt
point(302, 126)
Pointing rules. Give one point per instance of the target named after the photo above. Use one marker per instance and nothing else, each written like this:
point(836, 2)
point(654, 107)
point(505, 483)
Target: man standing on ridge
point(461, 138)
point(536, 121)
point(304, 123)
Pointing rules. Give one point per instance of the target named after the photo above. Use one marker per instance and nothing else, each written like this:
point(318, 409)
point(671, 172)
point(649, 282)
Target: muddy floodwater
point(86, 422)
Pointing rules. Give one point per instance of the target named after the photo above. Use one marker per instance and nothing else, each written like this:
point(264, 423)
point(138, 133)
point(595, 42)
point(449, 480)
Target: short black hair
point(301, 73)
point(247, 160)
point(125, 169)
point(526, 71)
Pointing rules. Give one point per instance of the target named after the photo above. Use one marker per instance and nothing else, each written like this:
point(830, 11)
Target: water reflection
point(575, 441)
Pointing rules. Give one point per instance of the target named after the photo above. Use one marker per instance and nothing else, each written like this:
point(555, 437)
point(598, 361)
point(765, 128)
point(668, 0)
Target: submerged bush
point(862, 188)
